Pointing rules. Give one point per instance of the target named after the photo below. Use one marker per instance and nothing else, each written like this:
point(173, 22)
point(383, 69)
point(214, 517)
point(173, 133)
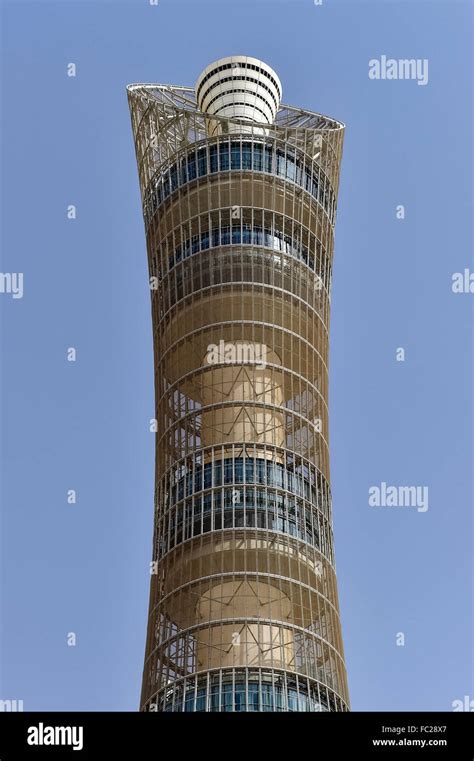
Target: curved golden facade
point(239, 225)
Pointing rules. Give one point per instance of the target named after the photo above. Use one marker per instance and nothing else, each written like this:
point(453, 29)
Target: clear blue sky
point(84, 568)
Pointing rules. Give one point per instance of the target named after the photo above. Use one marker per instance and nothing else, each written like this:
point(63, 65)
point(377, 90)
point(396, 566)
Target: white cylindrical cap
point(239, 87)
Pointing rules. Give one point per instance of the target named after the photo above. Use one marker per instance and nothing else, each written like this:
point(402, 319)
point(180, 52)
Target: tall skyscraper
point(239, 201)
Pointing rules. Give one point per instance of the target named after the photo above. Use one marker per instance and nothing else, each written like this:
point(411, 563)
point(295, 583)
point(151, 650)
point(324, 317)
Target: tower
point(239, 200)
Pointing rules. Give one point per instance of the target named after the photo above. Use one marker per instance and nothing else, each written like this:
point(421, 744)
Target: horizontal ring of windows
point(239, 65)
point(279, 468)
point(254, 227)
point(246, 690)
point(234, 79)
point(243, 471)
point(241, 103)
point(242, 156)
point(246, 507)
point(248, 235)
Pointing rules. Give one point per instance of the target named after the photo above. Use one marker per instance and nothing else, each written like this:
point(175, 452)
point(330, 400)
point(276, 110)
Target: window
point(213, 158)
point(202, 162)
point(224, 156)
point(236, 156)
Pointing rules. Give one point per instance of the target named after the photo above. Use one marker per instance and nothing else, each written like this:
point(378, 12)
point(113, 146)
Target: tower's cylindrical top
point(239, 87)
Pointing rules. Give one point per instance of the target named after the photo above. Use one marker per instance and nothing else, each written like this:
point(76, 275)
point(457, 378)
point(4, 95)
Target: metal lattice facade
point(239, 224)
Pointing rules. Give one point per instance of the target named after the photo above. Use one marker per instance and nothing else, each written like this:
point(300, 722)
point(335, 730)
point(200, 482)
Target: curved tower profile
point(239, 202)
